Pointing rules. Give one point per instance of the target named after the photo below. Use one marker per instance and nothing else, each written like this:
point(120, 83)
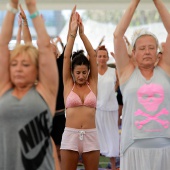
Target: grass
point(103, 162)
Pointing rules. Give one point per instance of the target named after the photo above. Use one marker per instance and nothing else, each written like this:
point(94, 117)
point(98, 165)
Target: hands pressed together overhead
point(76, 23)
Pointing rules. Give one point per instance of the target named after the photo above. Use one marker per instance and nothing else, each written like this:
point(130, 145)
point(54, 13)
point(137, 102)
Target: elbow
point(44, 43)
point(116, 35)
point(44, 40)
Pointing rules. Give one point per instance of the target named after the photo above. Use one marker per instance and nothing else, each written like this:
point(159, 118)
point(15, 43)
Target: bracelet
point(24, 22)
point(73, 36)
point(34, 15)
point(11, 9)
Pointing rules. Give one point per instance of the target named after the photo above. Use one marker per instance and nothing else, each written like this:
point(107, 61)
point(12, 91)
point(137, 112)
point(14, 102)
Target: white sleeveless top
point(106, 96)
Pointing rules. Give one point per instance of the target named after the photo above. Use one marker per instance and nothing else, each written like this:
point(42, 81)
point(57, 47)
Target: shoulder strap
point(88, 85)
point(73, 87)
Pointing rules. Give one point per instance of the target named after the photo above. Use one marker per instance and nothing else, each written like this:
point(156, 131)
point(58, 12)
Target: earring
point(35, 82)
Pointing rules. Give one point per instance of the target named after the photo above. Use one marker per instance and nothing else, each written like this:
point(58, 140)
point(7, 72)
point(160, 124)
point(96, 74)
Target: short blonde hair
point(28, 49)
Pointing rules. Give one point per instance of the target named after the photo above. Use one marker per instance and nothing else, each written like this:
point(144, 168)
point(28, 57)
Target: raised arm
point(72, 32)
point(61, 42)
point(101, 41)
point(120, 50)
point(56, 47)
point(92, 54)
point(48, 74)
point(18, 38)
point(70, 20)
point(5, 37)
point(25, 28)
point(165, 15)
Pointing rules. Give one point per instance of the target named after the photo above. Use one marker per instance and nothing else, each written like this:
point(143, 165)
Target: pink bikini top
point(73, 100)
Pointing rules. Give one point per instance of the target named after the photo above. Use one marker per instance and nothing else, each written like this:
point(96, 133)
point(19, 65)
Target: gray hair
point(140, 32)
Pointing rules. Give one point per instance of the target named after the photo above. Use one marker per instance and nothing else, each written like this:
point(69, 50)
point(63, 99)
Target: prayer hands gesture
point(19, 20)
point(74, 23)
point(81, 26)
point(22, 13)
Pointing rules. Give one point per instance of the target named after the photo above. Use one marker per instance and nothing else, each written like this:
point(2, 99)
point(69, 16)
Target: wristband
point(34, 15)
point(11, 9)
point(73, 36)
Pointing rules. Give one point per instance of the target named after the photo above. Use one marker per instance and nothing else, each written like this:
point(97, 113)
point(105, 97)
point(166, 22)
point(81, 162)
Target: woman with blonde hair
point(28, 89)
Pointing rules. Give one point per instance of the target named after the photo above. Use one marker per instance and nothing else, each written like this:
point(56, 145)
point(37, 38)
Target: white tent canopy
point(87, 4)
point(95, 31)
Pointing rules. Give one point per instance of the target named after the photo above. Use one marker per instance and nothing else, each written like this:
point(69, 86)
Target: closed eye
point(13, 63)
point(142, 48)
point(26, 65)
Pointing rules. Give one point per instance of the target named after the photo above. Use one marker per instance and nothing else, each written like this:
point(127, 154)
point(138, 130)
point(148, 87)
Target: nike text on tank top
point(25, 127)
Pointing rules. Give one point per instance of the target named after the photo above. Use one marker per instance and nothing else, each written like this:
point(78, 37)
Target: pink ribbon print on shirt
point(151, 96)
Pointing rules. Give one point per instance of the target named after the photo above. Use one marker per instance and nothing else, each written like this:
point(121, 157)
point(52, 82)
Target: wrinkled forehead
point(146, 40)
point(141, 33)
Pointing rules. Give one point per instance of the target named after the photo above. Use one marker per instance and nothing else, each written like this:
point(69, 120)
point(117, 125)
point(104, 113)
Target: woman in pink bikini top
point(80, 90)
point(74, 100)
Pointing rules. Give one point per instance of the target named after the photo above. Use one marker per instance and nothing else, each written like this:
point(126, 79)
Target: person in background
point(80, 90)
point(58, 40)
point(161, 48)
point(59, 117)
point(100, 42)
point(119, 97)
point(145, 137)
point(120, 103)
point(107, 108)
point(27, 108)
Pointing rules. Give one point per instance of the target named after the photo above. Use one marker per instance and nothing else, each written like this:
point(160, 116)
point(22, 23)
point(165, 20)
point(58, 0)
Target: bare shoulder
point(93, 85)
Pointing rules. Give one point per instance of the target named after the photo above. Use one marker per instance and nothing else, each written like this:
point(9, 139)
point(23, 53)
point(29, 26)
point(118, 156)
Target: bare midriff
point(81, 117)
